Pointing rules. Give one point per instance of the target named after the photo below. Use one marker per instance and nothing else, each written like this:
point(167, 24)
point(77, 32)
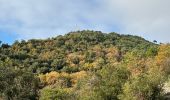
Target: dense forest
point(85, 65)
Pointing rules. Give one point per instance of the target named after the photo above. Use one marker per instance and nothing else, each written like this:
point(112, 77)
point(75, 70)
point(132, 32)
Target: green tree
point(17, 84)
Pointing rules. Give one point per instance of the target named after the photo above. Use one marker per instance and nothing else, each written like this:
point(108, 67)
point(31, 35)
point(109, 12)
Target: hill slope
point(84, 65)
point(42, 56)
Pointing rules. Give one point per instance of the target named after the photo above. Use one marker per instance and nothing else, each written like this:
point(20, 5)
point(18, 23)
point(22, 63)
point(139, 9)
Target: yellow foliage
point(42, 78)
point(53, 77)
point(163, 54)
point(30, 45)
point(163, 58)
point(49, 43)
point(72, 56)
point(33, 51)
point(47, 55)
point(49, 78)
point(64, 74)
point(111, 52)
point(98, 50)
point(88, 66)
point(76, 76)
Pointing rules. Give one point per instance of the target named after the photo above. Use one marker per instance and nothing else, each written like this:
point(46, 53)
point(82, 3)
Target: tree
point(163, 58)
point(146, 80)
point(5, 46)
point(17, 84)
point(154, 41)
point(0, 42)
point(58, 64)
point(106, 84)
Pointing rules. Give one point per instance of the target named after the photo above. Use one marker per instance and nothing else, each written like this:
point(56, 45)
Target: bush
point(55, 94)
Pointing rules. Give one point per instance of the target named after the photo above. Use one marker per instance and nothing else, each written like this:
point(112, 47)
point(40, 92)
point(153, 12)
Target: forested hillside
point(84, 65)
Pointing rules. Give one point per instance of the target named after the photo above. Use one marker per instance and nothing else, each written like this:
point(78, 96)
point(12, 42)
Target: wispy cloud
point(46, 18)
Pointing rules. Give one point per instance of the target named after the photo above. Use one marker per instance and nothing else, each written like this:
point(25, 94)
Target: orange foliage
point(72, 56)
point(52, 77)
point(163, 54)
point(111, 52)
point(49, 78)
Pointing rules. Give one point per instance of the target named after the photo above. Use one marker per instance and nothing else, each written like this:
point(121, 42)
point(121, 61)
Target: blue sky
point(7, 37)
point(26, 19)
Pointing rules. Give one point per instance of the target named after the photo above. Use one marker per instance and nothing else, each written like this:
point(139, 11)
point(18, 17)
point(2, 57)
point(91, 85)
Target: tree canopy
point(84, 65)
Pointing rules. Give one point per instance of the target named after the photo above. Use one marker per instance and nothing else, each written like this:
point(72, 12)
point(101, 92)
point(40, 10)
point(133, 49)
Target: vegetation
point(84, 65)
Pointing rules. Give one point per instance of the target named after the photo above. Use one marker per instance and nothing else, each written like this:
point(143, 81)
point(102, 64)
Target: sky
point(27, 19)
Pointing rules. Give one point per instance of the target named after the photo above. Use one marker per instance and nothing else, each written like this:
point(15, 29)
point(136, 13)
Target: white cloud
point(148, 18)
point(46, 18)
point(38, 19)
